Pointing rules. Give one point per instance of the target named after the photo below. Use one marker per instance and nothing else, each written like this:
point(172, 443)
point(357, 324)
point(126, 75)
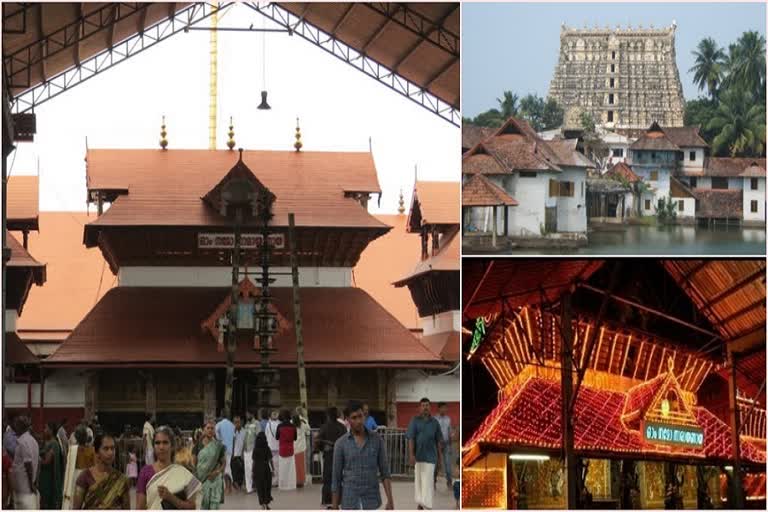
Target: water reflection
point(670, 240)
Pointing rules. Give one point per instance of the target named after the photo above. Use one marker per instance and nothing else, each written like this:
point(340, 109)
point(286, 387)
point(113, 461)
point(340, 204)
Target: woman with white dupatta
point(163, 484)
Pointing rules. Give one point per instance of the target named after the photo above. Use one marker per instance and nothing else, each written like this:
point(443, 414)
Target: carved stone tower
point(625, 78)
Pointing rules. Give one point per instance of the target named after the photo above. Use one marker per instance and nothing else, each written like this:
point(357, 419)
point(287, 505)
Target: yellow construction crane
point(214, 54)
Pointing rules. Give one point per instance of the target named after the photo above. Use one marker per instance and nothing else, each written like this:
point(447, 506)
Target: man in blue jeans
point(445, 429)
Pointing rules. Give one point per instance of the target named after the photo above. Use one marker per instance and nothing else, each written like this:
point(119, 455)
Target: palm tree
point(708, 70)
point(508, 105)
point(748, 63)
point(740, 125)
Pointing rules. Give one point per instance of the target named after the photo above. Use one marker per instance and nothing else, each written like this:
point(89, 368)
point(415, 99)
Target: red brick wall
point(407, 410)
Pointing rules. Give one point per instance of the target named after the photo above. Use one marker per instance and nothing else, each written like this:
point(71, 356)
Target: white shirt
point(272, 441)
point(239, 442)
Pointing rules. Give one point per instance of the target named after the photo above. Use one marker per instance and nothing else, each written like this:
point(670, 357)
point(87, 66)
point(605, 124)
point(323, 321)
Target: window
point(561, 188)
point(692, 181)
point(527, 174)
point(554, 188)
point(619, 152)
point(659, 204)
point(653, 156)
point(680, 205)
point(610, 99)
point(647, 204)
point(720, 183)
point(612, 82)
point(753, 184)
point(753, 206)
point(692, 156)
point(613, 68)
point(613, 55)
point(654, 176)
point(610, 116)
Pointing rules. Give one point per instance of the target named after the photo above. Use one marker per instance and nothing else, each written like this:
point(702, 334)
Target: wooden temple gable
point(177, 246)
point(528, 336)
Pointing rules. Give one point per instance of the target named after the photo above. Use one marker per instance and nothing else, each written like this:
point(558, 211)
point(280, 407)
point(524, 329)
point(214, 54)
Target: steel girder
point(328, 42)
point(109, 57)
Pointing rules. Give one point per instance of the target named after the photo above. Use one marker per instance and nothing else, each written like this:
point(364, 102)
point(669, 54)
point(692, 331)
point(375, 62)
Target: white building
point(546, 178)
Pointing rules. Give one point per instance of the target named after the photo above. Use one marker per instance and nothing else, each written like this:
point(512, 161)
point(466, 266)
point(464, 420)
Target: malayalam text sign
point(661, 433)
point(247, 241)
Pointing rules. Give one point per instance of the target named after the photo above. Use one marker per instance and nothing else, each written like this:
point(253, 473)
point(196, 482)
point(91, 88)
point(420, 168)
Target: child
point(132, 468)
point(262, 470)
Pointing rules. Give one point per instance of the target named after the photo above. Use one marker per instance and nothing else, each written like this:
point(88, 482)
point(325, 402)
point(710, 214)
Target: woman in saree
point(164, 484)
point(102, 487)
point(303, 431)
point(51, 479)
point(80, 457)
point(210, 457)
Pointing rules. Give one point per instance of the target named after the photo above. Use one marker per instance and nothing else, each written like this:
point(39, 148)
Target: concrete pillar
point(391, 398)
point(209, 395)
point(333, 388)
point(506, 221)
point(91, 393)
point(493, 227)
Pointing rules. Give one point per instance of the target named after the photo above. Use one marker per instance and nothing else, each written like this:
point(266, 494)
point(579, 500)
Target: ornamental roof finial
point(163, 133)
point(401, 203)
point(231, 133)
point(298, 145)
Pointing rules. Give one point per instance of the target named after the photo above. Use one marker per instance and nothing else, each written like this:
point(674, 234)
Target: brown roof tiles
point(472, 134)
point(161, 327)
point(654, 139)
point(383, 261)
point(685, 136)
point(480, 191)
point(77, 277)
point(165, 187)
point(623, 170)
point(718, 203)
point(734, 167)
point(437, 202)
point(23, 202)
point(448, 258)
point(17, 352)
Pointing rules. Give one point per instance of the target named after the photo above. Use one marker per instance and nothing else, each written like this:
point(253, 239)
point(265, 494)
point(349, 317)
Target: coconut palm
point(748, 63)
point(739, 122)
point(708, 70)
point(508, 105)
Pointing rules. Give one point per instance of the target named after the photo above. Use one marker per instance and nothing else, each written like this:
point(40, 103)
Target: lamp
point(524, 456)
point(264, 105)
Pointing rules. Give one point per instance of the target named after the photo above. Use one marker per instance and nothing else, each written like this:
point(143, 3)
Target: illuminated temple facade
point(645, 405)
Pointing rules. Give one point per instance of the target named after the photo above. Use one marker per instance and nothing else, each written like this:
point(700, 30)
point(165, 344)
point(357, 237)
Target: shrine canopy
point(160, 202)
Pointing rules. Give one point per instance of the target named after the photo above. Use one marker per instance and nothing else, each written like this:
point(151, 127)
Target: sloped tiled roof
point(342, 327)
point(472, 134)
point(685, 136)
point(17, 352)
point(734, 167)
point(480, 191)
point(482, 163)
point(448, 258)
point(678, 189)
point(531, 418)
point(77, 277)
point(383, 261)
point(165, 187)
point(623, 170)
point(23, 202)
point(435, 202)
point(654, 139)
point(445, 344)
point(719, 203)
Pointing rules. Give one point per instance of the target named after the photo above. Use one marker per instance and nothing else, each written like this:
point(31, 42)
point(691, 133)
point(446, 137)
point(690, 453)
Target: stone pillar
point(209, 395)
point(391, 394)
point(333, 388)
point(151, 394)
point(91, 393)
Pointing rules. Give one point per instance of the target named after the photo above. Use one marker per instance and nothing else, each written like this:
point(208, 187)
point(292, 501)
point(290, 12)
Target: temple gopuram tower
point(626, 78)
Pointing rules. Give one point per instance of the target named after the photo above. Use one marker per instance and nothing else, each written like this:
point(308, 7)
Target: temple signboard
point(247, 241)
point(678, 435)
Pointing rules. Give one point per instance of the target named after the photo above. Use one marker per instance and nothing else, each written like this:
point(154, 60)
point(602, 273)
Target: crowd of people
point(225, 455)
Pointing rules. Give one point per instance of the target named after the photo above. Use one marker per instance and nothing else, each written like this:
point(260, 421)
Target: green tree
point(748, 64)
point(740, 125)
point(553, 114)
point(491, 118)
point(594, 146)
point(508, 104)
point(532, 110)
point(700, 112)
point(666, 213)
point(708, 70)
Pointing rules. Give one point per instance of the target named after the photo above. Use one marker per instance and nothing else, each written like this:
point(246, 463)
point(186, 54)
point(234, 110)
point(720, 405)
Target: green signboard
point(678, 435)
point(478, 334)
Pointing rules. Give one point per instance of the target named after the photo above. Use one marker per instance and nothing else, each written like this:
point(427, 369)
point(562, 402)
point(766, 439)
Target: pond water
point(669, 240)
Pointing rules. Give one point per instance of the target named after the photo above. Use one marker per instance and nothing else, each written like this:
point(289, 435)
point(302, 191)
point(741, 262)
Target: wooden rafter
point(740, 284)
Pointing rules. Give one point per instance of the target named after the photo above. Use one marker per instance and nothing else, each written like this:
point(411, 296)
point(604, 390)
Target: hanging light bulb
point(263, 105)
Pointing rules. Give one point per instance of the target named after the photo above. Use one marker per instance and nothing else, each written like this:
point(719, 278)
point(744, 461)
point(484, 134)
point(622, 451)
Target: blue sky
point(515, 46)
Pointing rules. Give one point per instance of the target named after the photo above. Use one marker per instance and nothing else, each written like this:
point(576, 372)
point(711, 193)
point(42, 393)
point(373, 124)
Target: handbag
point(182, 495)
